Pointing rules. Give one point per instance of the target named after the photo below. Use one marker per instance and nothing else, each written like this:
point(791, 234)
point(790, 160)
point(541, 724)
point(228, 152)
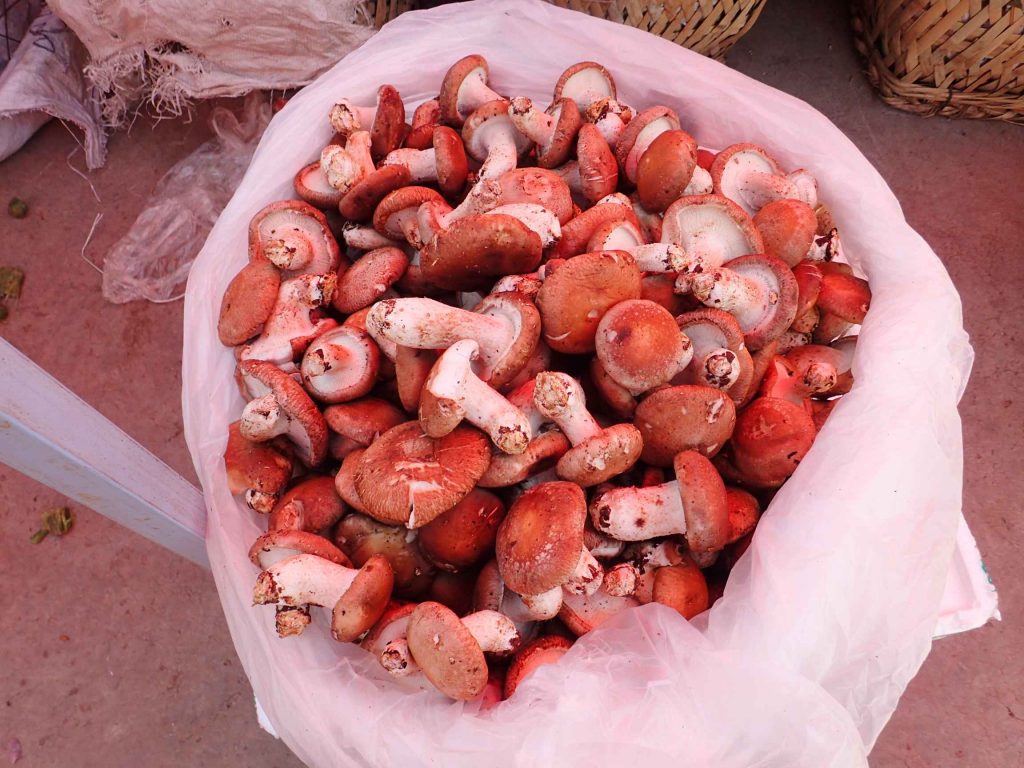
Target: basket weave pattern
point(958, 58)
point(710, 27)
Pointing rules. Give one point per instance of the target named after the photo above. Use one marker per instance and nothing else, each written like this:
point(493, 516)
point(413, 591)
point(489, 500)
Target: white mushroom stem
point(291, 620)
point(406, 222)
point(493, 631)
point(454, 384)
point(806, 186)
point(429, 324)
point(474, 93)
point(303, 579)
point(341, 170)
point(502, 152)
point(638, 514)
point(358, 147)
point(421, 163)
point(660, 257)
point(560, 398)
point(719, 368)
point(825, 247)
point(522, 398)
point(544, 606)
point(261, 502)
point(700, 183)
point(528, 285)
point(334, 354)
point(533, 123)
point(603, 546)
point(737, 294)
point(434, 217)
point(290, 318)
point(815, 378)
point(620, 580)
point(291, 251)
point(366, 238)
point(263, 419)
point(610, 117)
point(758, 188)
point(792, 339)
point(536, 217)
point(586, 578)
point(347, 117)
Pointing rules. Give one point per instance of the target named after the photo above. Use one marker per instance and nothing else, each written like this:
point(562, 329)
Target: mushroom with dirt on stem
point(295, 237)
point(385, 122)
point(492, 140)
point(464, 89)
point(340, 365)
point(553, 131)
point(752, 178)
point(444, 162)
point(720, 357)
point(259, 470)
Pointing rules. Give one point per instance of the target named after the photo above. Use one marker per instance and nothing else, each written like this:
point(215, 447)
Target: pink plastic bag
point(831, 611)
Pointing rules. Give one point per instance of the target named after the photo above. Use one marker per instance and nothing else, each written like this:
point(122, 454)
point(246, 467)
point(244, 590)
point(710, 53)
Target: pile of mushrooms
point(511, 371)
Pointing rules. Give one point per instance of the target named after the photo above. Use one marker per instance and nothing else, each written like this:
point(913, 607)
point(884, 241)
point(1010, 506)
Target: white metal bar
point(53, 436)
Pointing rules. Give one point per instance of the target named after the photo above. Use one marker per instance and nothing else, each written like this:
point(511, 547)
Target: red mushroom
point(386, 122)
point(295, 237)
point(464, 89)
point(369, 279)
point(684, 417)
point(584, 83)
point(492, 139)
point(259, 470)
point(357, 423)
point(552, 131)
point(750, 177)
point(770, 439)
point(720, 358)
point(638, 136)
point(640, 346)
point(444, 163)
point(711, 230)
point(295, 320)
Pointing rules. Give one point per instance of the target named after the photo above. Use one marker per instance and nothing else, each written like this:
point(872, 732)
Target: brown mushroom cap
point(787, 228)
point(476, 250)
point(448, 99)
point(275, 546)
point(362, 537)
point(446, 651)
point(665, 169)
point(525, 321)
point(575, 297)
point(248, 301)
point(408, 478)
point(682, 587)
point(360, 202)
point(657, 118)
point(544, 650)
point(705, 504)
point(845, 296)
point(312, 504)
point(540, 541)
point(388, 128)
point(771, 437)
point(508, 469)
point(364, 602)
point(744, 512)
point(424, 119)
point(808, 280)
point(601, 457)
point(309, 430)
point(462, 536)
point(599, 173)
point(369, 279)
point(731, 162)
point(453, 590)
point(484, 123)
point(576, 233)
point(340, 365)
point(311, 185)
point(684, 417)
point(412, 367)
point(582, 613)
point(401, 200)
point(450, 157)
point(345, 480)
point(639, 344)
point(536, 185)
point(362, 421)
point(616, 398)
point(694, 221)
point(258, 466)
point(567, 124)
point(585, 82)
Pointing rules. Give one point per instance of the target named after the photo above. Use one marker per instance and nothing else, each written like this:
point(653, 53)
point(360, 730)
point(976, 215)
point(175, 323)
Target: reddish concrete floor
point(118, 654)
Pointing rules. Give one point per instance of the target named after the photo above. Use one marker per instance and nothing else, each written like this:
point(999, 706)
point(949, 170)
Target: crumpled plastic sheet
point(152, 260)
point(830, 612)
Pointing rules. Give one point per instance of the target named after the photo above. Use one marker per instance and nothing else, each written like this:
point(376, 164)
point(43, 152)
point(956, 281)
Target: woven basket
point(710, 27)
point(958, 58)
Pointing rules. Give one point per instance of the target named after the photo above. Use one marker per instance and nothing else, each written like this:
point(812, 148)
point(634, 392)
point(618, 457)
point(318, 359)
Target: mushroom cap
point(364, 602)
point(838, 356)
point(476, 250)
point(402, 199)
point(408, 478)
point(486, 121)
point(508, 469)
point(712, 225)
point(576, 233)
point(311, 185)
point(652, 119)
point(463, 535)
point(707, 329)
point(448, 99)
point(616, 236)
point(525, 321)
point(733, 162)
point(312, 504)
point(295, 218)
point(763, 322)
point(388, 128)
point(665, 169)
point(536, 185)
point(808, 281)
point(412, 367)
point(567, 124)
point(361, 537)
point(424, 119)
point(248, 301)
point(601, 457)
point(639, 344)
point(581, 613)
point(540, 540)
point(544, 650)
point(787, 228)
point(450, 158)
point(575, 297)
point(340, 365)
point(844, 296)
point(684, 417)
point(345, 480)
point(363, 420)
point(369, 279)
point(599, 172)
point(681, 587)
point(584, 82)
point(454, 590)
point(771, 437)
point(259, 466)
point(446, 651)
point(744, 512)
point(309, 430)
point(705, 504)
point(390, 626)
point(360, 202)
point(617, 399)
point(275, 546)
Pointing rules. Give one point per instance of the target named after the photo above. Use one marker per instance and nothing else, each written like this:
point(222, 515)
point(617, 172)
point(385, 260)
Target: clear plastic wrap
point(831, 611)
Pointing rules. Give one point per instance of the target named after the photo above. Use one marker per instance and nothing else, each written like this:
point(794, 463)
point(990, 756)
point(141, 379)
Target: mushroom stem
point(544, 606)
point(292, 251)
point(620, 580)
point(421, 163)
point(457, 390)
point(522, 398)
point(502, 153)
point(303, 579)
point(290, 318)
point(726, 289)
point(475, 92)
point(494, 633)
point(661, 257)
point(536, 217)
point(261, 502)
point(720, 368)
point(825, 247)
point(760, 188)
point(359, 146)
point(536, 125)
point(609, 117)
point(638, 514)
point(397, 659)
point(347, 117)
point(327, 357)
point(700, 183)
point(291, 620)
point(429, 324)
point(560, 398)
point(365, 238)
point(263, 419)
point(340, 168)
point(586, 578)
